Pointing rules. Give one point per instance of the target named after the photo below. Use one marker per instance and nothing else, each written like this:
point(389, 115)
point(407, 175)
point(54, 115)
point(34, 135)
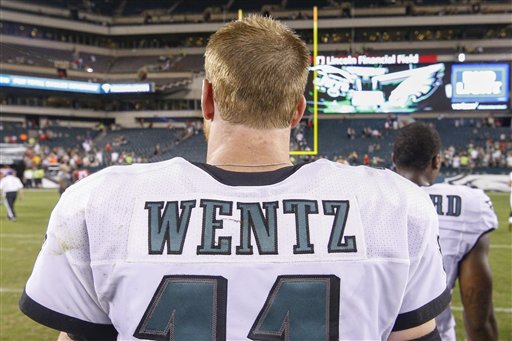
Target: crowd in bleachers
point(162, 11)
point(468, 144)
point(326, 36)
point(178, 61)
point(55, 151)
point(476, 143)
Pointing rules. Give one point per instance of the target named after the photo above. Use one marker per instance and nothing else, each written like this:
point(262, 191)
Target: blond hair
point(258, 68)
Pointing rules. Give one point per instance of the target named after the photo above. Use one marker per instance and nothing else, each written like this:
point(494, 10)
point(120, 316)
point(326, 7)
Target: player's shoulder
point(370, 180)
point(470, 194)
point(390, 177)
point(477, 207)
point(125, 175)
point(386, 195)
point(370, 173)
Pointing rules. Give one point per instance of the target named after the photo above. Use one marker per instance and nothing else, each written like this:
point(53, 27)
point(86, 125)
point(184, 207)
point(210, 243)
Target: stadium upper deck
point(107, 38)
point(158, 11)
point(163, 42)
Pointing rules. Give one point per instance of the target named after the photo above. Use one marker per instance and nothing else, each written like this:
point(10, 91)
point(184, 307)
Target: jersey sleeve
point(60, 292)
point(482, 220)
point(488, 218)
point(426, 294)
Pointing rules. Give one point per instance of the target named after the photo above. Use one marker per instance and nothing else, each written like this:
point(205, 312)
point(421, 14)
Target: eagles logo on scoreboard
point(405, 84)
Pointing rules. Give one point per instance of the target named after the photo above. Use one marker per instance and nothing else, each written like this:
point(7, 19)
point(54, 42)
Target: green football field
point(20, 242)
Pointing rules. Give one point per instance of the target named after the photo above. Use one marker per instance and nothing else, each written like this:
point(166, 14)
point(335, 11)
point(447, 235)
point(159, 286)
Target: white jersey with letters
point(181, 251)
point(465, 214)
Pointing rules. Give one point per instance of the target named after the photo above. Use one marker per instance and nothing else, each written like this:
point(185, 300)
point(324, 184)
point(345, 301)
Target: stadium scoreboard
point(406, 83)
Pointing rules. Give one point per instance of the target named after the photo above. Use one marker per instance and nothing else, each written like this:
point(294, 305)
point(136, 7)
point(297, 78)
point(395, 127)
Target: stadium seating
point(192, 148)
point(305, 4)
point(140, 141)
point(333, 139)
point(46, 57)
point(197, 6)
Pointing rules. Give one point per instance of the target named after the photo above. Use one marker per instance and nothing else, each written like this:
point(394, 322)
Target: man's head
point(258, 69)
point(416, 153)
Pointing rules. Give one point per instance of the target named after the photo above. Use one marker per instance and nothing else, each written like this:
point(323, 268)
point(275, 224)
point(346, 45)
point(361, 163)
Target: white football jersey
point(182, 251)
point(465, 214)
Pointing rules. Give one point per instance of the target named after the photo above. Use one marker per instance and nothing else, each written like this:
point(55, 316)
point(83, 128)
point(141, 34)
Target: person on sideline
point(466, 217)
point(10, 184)
point(246, 245)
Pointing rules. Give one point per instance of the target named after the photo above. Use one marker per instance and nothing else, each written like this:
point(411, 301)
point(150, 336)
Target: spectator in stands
point(366, 160)
point(456, 161)
point(38, 176)
point(36, 159)
point(157, 149)
point(114, 157)
point(64, 177)
point(496, 158)
point(377, 161)
point(473, 153)
point(387, 125)
point(28, 178)
point(86, 145)
point(509, 159)
point(464, 161)
point(128, 158)
point(80, 173)
point(98, 157)
point(86, 161)
point(353, 158)
point(351, 133)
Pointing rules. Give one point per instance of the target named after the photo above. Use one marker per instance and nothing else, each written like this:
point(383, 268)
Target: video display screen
point(17, 81)
point(480, 86)
point(395, 84)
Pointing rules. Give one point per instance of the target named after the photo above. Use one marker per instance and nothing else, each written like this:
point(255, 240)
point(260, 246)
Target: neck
point(418, 178)
point(239, 148)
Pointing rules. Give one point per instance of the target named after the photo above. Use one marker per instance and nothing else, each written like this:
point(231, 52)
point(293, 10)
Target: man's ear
point(299, 112)
point(207, 105)
point(436, 162)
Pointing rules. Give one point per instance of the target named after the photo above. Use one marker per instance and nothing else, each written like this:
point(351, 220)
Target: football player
point(466, 217)
point(245, 246)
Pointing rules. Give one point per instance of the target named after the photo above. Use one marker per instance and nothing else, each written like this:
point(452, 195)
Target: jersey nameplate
point(214, 227)
point(449, 205)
